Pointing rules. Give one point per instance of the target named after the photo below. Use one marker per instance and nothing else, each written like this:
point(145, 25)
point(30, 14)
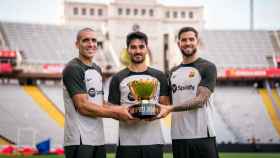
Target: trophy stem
point(144, 101)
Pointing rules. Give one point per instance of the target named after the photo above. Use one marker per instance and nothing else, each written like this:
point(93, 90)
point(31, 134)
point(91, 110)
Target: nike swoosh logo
point(88, 79)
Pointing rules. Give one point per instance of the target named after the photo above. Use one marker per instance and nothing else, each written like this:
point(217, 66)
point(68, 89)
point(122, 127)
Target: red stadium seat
point(6, 68)
point(8, 150)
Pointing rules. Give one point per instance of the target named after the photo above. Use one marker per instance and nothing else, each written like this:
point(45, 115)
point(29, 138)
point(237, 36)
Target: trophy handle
point(155, 84)
point(132, 91)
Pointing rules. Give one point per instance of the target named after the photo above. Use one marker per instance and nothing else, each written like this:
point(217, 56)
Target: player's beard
point(189, 53)
point(137, 61)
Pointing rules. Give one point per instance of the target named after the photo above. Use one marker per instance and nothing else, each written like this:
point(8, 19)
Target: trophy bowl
point(143, 91)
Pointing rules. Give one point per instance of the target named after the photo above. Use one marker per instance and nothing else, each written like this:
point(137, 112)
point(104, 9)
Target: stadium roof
point(165, 2)
point(90, 1)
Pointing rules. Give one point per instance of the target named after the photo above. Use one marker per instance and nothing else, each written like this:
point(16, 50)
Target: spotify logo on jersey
point(176, 88)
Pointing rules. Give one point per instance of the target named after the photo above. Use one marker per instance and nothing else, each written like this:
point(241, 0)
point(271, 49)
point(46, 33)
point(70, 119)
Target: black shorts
point(143, 151)
point(195, 148)
point(85, 151)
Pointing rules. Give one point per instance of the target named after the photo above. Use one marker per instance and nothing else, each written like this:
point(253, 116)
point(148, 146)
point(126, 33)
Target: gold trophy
point(143, 91)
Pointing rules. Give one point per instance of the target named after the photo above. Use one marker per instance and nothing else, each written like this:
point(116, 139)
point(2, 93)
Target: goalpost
point(26, 137)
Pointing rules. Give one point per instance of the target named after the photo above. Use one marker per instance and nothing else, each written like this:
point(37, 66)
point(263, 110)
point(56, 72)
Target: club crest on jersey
point(174, 88)
point(191, 74)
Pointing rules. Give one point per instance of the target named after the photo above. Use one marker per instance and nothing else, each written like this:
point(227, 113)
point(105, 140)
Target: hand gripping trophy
point(143, 91)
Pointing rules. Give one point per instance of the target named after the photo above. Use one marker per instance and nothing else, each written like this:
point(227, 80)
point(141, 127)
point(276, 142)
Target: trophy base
point(144, 110)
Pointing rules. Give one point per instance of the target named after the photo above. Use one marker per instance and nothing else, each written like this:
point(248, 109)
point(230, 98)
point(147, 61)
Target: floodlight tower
point(251, 14)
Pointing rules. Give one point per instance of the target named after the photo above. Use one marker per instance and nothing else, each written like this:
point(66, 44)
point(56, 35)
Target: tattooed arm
point(202, 97)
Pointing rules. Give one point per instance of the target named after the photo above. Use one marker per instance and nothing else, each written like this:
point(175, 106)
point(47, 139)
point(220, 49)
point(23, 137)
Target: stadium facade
point(116, 19)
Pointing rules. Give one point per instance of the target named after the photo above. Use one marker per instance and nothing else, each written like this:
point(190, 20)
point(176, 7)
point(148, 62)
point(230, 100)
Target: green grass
point(249, 155)
point(169, 155)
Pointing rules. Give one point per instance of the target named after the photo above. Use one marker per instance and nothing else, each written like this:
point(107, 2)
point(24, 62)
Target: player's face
point(137, 51)
point(188, 43)
point(87, 44)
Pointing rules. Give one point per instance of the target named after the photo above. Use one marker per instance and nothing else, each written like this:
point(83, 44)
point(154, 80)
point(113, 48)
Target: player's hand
point(134, 120)
point(123, 113)
point(164, 111)
point(155, 117)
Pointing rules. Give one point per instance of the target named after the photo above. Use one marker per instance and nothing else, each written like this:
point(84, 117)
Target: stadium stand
point(49, 44)
point(228, 49)
point(278, 90)
point(45, 104)
point(271, 108)
point(54, 93)
point(237, 49)
point(244, 112)
point(4, 141)
point(275, 41)
point(23, 121)
point(223, 131)
point(275, 97)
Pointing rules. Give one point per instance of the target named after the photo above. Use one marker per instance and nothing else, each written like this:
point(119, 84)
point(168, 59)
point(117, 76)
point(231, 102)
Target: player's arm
point(164, 106)
point(73, 77)
point(164, 100)
point(88, 108)
point(85, 107)
point(123, 111)
point(202, 97)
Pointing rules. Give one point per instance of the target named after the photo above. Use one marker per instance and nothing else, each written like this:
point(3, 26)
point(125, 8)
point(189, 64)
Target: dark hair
point(136, 35)
point(82, 30)
point(187, 29)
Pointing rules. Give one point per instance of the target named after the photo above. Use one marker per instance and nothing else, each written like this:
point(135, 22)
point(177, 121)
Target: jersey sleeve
point(164, 88)
point(99, 70)
point(114, 91)
point(209, 77)
point(169, 87)
point(73, 80)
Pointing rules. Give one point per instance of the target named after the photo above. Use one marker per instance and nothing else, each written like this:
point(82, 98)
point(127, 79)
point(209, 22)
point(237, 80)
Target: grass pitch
point(169, 155)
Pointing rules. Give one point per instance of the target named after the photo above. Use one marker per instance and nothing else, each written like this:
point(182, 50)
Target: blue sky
point(219, 14)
